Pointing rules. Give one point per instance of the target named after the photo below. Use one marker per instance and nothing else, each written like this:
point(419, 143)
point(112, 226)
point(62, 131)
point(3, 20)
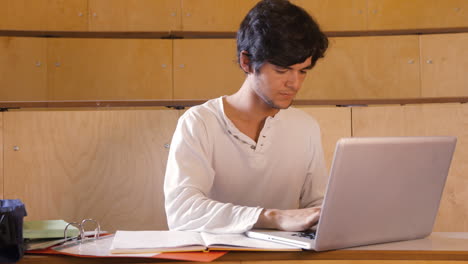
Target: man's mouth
point(289, 95)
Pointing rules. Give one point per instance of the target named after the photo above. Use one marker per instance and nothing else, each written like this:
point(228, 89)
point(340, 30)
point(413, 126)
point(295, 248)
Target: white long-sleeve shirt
point(218, 179)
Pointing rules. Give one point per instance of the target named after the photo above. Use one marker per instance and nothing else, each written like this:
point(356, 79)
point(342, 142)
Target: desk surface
point(441, 247)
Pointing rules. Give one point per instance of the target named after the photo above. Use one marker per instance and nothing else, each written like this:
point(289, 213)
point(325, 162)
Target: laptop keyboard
point(308, 234)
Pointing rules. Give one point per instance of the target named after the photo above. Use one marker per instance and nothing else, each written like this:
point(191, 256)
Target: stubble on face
point(269, 102)
point(264, 96)
point(277, 86)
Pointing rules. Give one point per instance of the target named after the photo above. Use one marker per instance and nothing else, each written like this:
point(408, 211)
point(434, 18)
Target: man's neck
point(247, 111)
point(246, 105)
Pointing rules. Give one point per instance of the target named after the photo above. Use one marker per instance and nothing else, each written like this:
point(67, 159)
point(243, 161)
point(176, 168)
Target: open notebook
point(129, 242)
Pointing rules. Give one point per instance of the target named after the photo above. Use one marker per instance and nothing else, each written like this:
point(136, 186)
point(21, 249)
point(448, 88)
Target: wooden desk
point(436, 249)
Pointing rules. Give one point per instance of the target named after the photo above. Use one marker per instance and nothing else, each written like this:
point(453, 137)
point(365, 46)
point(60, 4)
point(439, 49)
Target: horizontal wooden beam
point(204, 34)
point(5, 105)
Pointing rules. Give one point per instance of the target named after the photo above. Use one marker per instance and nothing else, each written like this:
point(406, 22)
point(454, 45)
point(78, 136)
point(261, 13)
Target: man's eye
point(303, 72)
point(281, 71)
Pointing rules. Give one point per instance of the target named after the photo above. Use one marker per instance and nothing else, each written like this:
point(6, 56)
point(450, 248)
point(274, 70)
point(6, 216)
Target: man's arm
point(189, 179)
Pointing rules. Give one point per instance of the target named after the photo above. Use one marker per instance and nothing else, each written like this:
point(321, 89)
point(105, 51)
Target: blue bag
point(12, 213)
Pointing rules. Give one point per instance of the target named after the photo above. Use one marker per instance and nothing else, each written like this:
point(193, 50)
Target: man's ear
point(244, 62)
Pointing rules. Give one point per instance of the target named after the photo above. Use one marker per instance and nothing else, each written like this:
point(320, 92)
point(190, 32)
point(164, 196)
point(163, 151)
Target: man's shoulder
point(208, 111)
point(300, 117)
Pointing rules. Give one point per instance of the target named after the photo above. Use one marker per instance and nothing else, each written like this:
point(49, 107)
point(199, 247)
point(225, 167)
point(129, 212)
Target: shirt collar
point(231, 128)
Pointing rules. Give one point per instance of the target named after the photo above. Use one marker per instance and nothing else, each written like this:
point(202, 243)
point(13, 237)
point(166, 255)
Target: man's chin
point(282, 105)
point(278, 103)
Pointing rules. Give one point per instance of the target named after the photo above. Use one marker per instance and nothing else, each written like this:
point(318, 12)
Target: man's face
point(277, 86)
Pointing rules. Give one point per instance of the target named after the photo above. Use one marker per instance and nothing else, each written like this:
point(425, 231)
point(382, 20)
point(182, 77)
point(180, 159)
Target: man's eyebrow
point(305, 68)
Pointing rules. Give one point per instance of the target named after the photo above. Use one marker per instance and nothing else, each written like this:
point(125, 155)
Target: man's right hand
point(289, 220)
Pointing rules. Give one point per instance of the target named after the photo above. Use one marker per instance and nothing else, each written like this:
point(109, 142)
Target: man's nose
point(293, 81)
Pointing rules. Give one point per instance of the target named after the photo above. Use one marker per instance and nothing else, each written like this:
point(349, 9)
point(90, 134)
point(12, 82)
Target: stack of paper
point(46, 233)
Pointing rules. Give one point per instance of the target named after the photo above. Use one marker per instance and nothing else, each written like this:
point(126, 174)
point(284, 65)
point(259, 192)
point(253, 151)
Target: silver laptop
point(380, 190)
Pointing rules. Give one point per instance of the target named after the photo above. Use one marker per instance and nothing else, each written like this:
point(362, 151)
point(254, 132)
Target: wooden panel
point(205, 68)
point(67, 15)
point(366, 67)
point(214, 15)
point(417, 14)
point(134, 15)
point(443, 68)
point(23, 69)
point(335, 123)
point(337, 15)
point(23, 14)
point(1, 155)
point(427, 120)
point(60, 15)
point(106, 165)
point(110, 69)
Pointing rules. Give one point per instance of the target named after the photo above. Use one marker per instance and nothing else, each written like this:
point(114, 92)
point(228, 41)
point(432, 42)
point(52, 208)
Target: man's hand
point(289, 220)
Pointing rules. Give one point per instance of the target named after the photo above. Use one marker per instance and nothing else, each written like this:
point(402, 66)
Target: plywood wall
point(335, 123)
point(428, 120)
point(106, 165)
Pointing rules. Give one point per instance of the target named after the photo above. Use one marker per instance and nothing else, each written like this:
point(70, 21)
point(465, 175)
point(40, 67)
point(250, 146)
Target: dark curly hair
point(281, 33)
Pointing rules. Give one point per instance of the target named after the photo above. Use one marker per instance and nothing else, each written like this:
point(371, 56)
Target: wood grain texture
point(264, 258)
point(106, 165)
point(420, 14)
point(109, 69)
point(23, 69)
point(427, 120)
point(337, 15)
point(310, 257)
point(444, 65)
point(214, 15)
point(44, 15)
point(365, 68)
point(67, 15)
point(134, 15)
point(23, 15)
point(205, 69)
point(335, 123)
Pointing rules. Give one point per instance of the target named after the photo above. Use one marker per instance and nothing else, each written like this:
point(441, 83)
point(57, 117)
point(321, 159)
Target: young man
point(249, 160)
